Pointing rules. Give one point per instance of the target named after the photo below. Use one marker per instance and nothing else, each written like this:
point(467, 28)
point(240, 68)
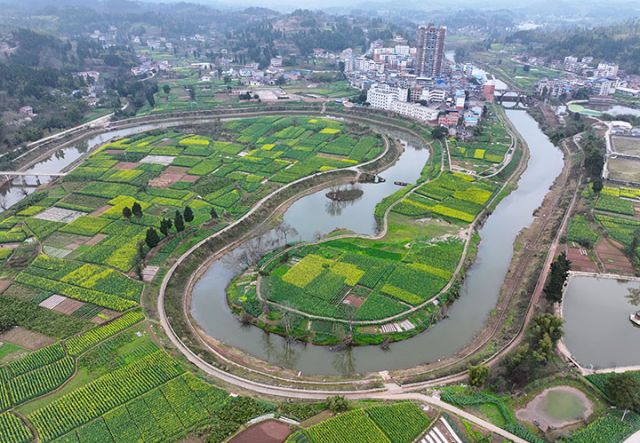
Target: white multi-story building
point(414, 111)
point(607, 70)
point(434, 95)
point(380, 97)
point(395, 100)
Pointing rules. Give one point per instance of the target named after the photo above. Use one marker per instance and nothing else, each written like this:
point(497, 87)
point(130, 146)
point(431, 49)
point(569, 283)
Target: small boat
point(635, 318)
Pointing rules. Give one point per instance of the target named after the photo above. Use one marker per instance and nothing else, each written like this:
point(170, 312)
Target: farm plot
point(452, 196)
point(33, 375)
point(624, 169)
point(90, 283)
point(378, 285)
point(250, 158)
point(627, 145)
point(580, 231)
point(395, 423)
point(486, 148)
point(130, 390)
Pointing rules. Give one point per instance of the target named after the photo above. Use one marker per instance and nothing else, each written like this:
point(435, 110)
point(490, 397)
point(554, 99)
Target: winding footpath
point(390, 391)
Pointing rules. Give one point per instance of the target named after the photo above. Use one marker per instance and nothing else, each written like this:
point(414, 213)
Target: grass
point(6, 349)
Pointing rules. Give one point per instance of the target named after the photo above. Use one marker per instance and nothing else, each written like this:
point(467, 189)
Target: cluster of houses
point(602, 79)
point(621, 128)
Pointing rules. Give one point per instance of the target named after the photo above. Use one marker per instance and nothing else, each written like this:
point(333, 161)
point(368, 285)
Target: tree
point(337, 404)
point(213, 214)
point(623, 390)
point(126, 212)
point(226, 79)
point(597, 185)
point(439, 133)
point(152, 238)
point(478, 375)
point(136, 209)
point(188, 214)
point(165, 225)
point(545, 333)
point(178, 222)
point(559, 272)
point(280, 81)
point(166, 89)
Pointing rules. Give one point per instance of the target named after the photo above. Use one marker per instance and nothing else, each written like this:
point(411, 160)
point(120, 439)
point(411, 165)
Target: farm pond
point(597, 329)
point(315, 214)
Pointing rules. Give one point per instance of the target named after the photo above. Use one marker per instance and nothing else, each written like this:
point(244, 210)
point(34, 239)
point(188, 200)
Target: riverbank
point(390, 329)
point(295, 352)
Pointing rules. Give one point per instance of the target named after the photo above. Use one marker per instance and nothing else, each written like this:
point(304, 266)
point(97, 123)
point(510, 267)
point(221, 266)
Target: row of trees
point(152, 238)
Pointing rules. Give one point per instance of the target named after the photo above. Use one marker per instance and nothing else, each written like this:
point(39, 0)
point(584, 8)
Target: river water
point(312, 214)
point(597, 329)
point(18, 188)
point(315, 215)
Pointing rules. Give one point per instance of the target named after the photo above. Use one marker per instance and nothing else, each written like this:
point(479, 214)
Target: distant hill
point(619, 44)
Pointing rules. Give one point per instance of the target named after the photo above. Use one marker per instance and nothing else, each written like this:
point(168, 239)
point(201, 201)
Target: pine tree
point(213, 214)
point(165, 225)
point(136, 209)
point(179, 222)
point(126, 212)
point(152, 239)
point(188, 214)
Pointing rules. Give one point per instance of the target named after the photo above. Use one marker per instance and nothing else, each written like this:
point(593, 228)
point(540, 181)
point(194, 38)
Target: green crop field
point(486, 149)
point(616, 214)
point(397, 423)
point(313, 291)
point(581, 232)
point(89, 244)
point(113, 384)
point(76, 275)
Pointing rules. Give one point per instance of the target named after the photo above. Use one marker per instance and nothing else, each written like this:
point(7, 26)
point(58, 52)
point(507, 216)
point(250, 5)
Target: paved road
point(635, 438)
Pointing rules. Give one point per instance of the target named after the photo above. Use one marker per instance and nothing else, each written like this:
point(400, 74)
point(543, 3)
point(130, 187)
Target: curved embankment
point(165, 283)
point(182, 346)
point(267, 388)
point(467, 234)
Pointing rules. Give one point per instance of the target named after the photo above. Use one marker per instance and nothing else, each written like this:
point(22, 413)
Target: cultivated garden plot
point(616, 215)
point(351, 287)
point(487, 149)
point(90, 235)
point(126, 389)
point(396, 423)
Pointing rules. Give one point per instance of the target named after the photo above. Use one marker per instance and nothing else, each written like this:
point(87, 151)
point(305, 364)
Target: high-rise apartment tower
point(430, 50)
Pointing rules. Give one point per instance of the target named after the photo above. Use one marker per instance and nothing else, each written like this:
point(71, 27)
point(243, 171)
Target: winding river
point(313, 214)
